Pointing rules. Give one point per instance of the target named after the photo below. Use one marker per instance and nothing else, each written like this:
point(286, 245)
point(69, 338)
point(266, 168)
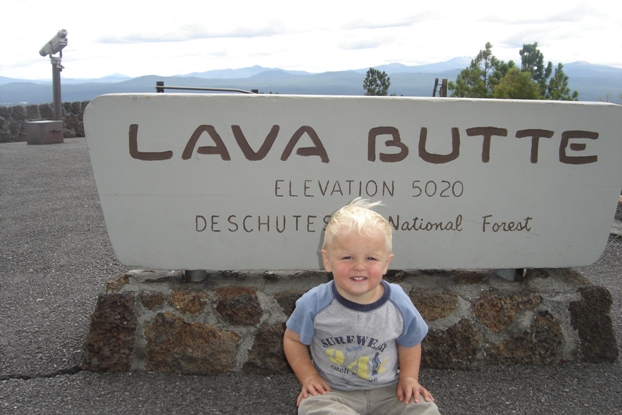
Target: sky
point(136, 38)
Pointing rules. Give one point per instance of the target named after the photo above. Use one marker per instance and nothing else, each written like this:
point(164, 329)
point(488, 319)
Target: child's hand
point(408, 388)
point(312, 385)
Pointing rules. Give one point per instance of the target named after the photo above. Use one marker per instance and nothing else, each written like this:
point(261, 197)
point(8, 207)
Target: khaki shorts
point(381, 401)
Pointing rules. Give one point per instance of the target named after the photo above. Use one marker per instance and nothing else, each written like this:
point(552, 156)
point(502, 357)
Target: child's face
point(358, 264)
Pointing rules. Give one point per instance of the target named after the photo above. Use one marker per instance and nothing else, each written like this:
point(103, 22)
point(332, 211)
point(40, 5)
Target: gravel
point(55, 257)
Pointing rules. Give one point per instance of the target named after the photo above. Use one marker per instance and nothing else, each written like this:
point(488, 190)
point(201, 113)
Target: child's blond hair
point(357, 215)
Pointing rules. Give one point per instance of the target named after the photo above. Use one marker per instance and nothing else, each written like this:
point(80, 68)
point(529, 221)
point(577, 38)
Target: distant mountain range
point(593, 82)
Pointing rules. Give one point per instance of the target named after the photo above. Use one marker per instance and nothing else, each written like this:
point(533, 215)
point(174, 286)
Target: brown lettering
point(244, 223)
point(259, 223)
point(439, 158)
point(277, 188)
point(200, 219)
point(318, 150)
point(146, 156)
point(487, 133)
point(247, 150)
point(566, 137)
point(535, 135)
point(395, 142)
point(506, 226)
point(231, 220)
point(219, 148)
point(214, 223)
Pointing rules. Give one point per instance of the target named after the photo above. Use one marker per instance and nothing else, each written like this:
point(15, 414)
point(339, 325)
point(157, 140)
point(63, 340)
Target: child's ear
point(389, 259)
point(325, 260)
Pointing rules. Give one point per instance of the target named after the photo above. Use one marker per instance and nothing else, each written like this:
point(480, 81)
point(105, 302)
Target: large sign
point(225, 182)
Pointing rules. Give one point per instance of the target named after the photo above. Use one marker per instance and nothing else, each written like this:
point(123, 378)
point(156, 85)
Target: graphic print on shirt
point(353, 359)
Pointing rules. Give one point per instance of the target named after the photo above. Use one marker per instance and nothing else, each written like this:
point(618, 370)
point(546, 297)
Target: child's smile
point(358, 263)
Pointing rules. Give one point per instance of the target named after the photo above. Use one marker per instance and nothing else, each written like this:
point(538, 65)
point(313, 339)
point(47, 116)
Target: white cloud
point(182, 36)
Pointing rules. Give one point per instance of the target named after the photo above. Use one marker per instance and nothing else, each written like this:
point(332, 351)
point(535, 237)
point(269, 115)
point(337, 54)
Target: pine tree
point(532, 60)
point(517, 85)
point(558, 87)
point(376, 83)
point(489, 77)
point(478, 80)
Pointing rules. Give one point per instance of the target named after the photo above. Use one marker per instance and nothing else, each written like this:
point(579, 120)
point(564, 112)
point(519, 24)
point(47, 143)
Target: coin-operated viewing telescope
point(53, 46)
point(56, 44)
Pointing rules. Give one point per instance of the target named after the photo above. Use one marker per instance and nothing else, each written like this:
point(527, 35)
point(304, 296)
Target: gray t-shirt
point(354, 346)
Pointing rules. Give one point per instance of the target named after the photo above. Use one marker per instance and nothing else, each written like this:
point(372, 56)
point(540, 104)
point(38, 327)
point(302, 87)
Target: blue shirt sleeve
point(307, 307)
point(415, 328)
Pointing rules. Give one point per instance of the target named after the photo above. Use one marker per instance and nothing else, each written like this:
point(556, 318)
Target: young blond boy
point(364, 334)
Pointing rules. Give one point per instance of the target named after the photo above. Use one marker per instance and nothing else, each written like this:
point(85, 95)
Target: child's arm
point(298, 357)
point(408, 385)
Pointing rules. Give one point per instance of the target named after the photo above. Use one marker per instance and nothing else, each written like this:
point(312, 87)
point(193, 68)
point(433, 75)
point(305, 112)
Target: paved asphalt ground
point(55, 257)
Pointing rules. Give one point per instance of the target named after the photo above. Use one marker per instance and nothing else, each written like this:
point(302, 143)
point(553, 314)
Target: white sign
point(226, 182)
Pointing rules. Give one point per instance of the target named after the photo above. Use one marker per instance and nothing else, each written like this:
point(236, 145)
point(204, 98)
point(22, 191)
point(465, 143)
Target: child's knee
point(422, 408)
point(324, 405)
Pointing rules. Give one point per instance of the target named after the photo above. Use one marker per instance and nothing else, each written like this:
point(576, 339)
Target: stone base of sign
point(234, 321)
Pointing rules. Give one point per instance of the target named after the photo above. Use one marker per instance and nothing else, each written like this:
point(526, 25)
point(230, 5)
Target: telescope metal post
point(56, 69)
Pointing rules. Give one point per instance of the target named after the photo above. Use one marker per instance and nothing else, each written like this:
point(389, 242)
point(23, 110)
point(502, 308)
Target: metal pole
point(160, 87)
point(444, 88)
point(56, 68)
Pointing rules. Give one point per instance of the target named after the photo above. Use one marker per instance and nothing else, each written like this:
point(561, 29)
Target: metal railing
point(160, 87)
